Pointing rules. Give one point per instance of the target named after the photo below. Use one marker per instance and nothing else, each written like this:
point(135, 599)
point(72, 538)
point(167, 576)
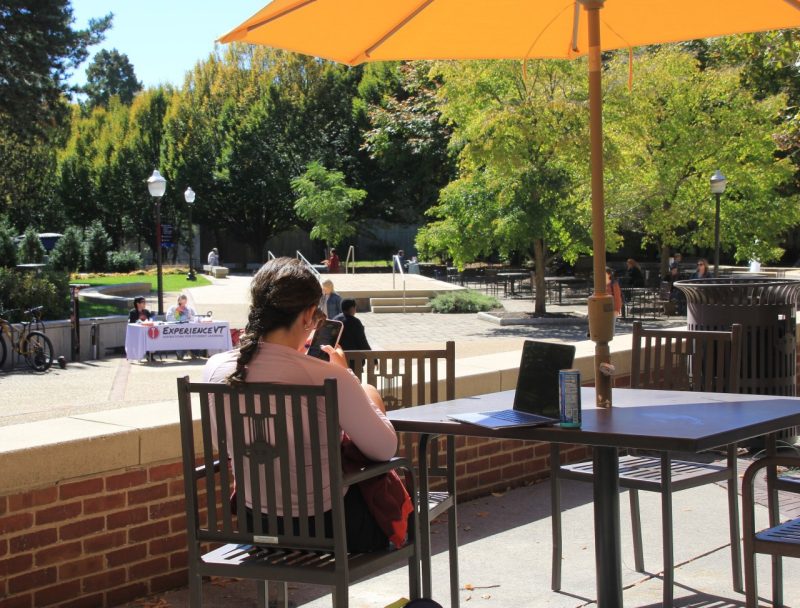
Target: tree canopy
point(39, 50)
point(110, 73)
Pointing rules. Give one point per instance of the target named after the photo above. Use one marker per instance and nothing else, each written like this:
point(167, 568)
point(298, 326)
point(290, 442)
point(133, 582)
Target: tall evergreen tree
point(110, 73)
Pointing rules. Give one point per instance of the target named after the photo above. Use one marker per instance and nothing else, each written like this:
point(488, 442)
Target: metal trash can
point(766, 309)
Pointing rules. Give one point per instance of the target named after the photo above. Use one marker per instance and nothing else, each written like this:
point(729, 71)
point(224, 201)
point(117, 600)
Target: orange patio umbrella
point(357, 31)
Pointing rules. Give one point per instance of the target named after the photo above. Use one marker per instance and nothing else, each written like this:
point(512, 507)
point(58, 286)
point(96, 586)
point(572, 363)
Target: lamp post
point(189, 198)
point(157, 185)
point(718, 184)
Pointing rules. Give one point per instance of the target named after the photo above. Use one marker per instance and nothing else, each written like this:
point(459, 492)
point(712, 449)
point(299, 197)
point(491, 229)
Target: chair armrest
point(200, 472)
point(748, 498)
point(375, 469)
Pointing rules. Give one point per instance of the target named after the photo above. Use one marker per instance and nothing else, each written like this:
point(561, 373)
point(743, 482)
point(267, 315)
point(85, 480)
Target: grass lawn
point(92, 309)
point(172, 282)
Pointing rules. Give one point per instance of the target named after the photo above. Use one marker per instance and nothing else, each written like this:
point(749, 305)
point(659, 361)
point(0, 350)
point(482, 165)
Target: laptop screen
point(537, 385)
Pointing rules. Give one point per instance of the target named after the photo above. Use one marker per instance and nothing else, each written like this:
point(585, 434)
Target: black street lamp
point(157, 185)
point(718, 184)
point(189, 197)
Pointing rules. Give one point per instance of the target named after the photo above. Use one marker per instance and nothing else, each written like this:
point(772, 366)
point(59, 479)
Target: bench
point(218, 272)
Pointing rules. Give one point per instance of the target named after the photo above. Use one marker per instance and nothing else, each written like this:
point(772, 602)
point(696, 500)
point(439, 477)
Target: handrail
point(300, 256)
point(397, 265)
point(270, 255)
point(351, 252)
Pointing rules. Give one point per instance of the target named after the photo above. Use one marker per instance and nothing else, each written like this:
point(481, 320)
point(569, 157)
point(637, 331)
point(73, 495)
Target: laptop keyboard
point(518, 417)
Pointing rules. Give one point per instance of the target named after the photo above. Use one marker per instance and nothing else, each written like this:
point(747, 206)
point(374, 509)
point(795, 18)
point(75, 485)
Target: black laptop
point(536, 397)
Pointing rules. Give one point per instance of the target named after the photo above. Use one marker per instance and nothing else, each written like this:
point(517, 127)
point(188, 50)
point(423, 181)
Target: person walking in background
point(613, 289)
point(213, 257)
point(633, 274)
point(702, 272)
point(331, 302)
point(332, 262)
point(139, 313)
point(400, 261)
point(353, 335)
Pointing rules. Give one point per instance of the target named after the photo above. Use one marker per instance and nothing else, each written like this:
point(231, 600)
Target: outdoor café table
point(639, 419)
point(214, 336)
point(559, 282)
point(513, 276)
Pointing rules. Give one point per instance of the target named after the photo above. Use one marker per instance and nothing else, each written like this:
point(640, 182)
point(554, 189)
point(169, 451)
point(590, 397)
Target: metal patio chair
point(268, 456)
point(781, 539)
point(406, 378)
point(679, 361)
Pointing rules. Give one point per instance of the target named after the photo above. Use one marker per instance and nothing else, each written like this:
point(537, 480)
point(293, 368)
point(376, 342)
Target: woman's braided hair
point(281, 290)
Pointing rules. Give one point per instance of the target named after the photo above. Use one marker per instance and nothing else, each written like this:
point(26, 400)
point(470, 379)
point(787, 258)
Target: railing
point(397, 265)
point(300, 256)
point(270, 255)
point(351, 254)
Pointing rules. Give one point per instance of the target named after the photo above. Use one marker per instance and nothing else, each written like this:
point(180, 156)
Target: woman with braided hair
point(283, 312)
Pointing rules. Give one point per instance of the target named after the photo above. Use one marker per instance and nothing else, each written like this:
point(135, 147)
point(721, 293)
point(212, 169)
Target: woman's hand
point(336, 355)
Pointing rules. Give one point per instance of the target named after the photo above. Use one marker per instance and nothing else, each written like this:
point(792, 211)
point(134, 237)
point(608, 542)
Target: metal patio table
point(643, 419)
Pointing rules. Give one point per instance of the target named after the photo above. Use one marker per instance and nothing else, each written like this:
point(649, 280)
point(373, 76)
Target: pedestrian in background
point(353, 335)
point(331, 302)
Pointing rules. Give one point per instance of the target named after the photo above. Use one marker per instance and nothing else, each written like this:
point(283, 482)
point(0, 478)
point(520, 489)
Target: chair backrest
point(682, 360)
point(405, 378)
point(282, 441)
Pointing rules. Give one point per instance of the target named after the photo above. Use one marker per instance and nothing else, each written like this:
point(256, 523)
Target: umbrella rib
point(412, 15)
point(793, 3)
point(544, 29)
point(278, 15)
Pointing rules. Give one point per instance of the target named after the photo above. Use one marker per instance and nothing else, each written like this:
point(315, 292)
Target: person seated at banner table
point(181, 312)
point(139, 313)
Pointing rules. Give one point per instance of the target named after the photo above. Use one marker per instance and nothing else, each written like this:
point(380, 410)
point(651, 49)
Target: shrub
point(98, 244)
point(31, 250)
point(124, 261)
point(68, 253)
point(23, 290)
point(8, 249)
point(463, 301)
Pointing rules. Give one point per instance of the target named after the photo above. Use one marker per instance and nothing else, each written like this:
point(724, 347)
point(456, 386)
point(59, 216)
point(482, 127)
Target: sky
point(162, 39)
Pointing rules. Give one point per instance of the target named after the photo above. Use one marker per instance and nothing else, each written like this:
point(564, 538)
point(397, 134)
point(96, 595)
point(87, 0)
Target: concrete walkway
point(504, 558)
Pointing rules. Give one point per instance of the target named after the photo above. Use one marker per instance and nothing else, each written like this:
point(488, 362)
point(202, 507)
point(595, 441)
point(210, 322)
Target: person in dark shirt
point(353, 335)
point(633, 274)
point(139, 312)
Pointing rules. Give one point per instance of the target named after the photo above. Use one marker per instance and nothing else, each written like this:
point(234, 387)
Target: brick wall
point(99, 541)
point(105, 540)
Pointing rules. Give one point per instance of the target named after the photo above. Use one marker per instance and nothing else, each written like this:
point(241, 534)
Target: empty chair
point(405, 379)
point(780, 539)
point(679, 361)
point(279, 455)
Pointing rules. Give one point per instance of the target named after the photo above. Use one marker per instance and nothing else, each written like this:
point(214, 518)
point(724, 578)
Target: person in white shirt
point(213, 257)
point(283, 315)
point(181, 312)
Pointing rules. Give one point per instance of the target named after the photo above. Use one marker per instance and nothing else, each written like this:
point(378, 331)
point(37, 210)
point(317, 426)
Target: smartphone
point(327, 332)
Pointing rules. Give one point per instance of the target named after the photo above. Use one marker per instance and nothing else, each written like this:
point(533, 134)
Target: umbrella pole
point(601, 304)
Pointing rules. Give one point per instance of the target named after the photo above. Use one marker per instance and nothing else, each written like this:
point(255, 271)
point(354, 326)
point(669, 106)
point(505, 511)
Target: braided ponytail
point(281, 290)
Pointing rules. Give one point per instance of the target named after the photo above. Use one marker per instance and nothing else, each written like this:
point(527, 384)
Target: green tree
point(30, 250)
point(110, 73)
point(97, 246)
point(327, 202)
point(39, 50)
point(8, 249)
point(68, 254)
point(520, 136)
point(676, 126)
point(405, 137)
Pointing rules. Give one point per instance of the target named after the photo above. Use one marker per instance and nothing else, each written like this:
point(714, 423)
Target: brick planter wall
point(98, 541)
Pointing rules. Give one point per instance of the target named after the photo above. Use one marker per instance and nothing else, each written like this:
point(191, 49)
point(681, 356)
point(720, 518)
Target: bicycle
point(30, 342)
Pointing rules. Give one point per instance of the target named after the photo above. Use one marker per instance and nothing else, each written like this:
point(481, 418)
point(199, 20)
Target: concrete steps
point(412, 304)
